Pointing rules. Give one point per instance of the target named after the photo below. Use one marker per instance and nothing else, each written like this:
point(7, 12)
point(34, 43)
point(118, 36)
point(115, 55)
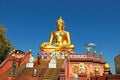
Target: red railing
point(25, 59)
point(7, 63)
point(63, 70)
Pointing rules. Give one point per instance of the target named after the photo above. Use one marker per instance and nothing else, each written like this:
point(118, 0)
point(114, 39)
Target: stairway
point(18, 69)
point(59, 62)
point(27, 72)
point(43, 72)
point(51, 74)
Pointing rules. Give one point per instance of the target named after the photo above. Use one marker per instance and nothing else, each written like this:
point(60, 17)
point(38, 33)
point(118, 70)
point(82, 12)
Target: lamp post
point(13, 69)
point(12, 74)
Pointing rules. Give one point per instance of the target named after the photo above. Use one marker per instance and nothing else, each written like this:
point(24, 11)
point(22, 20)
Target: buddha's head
point(60, 24)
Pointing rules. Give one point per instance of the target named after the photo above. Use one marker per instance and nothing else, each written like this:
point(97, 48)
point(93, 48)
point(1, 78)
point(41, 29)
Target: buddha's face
point(60, 25)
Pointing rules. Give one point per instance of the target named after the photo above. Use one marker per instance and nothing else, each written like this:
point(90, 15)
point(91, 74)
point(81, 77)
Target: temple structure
point(117, 64)
point(56, 60)
point(74, 63)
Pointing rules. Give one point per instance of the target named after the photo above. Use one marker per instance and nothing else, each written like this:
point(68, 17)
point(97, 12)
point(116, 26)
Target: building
point(117, 64)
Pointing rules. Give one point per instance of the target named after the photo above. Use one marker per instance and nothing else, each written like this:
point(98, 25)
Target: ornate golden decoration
point(82, 68)
point(76, 69)
point(106, 66)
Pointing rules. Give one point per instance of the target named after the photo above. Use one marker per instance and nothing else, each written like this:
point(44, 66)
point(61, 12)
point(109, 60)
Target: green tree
point(5, 44)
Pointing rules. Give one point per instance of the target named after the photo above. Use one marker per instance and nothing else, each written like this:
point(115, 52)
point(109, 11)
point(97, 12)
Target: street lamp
point(12, 74)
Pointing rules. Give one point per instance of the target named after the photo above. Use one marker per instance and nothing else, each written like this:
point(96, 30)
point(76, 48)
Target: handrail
point(7, 63)
point(27, 56)
point(64, 64)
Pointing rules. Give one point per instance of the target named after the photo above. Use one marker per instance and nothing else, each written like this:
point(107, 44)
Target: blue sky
point(30, 22)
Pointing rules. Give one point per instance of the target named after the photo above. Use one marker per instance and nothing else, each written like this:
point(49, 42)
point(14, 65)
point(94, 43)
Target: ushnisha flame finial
point(60, 20)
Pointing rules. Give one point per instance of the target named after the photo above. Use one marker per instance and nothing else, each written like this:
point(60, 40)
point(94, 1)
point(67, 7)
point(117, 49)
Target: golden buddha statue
point(59, 39)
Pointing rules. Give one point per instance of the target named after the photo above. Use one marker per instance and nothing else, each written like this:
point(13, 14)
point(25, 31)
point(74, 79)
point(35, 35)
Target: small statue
point(59, 40)
point(31, 60)
point(35, 73)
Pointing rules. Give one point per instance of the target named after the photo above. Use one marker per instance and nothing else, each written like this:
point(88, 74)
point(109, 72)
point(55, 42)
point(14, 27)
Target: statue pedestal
point(82, 77)
point(30, 65)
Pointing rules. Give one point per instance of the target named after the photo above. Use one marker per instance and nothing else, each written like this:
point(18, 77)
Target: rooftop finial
point(100, 53)
point(88, 49)
point(107, 66)
point(95, 52)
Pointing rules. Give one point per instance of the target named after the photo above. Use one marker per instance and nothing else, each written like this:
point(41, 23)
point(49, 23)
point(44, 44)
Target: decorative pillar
point(12, 74)
point(62, 76)
point(107, 69)
point(97, 71)
point(30, 51)
point(100, 56)
point(94, 54)
point(88, 52)
point(63, 71)
point(38, 60)
point(67, 68)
